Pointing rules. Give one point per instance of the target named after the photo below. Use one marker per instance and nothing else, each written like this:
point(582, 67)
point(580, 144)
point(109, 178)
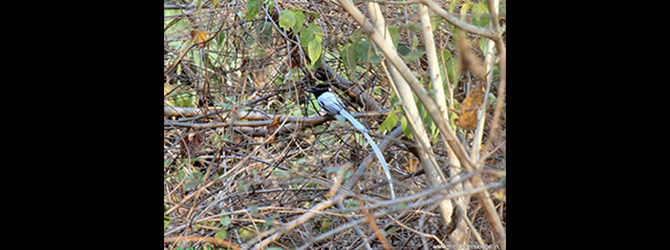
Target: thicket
point(250, 162)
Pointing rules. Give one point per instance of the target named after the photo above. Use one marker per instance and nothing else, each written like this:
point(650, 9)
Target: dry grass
point(269, 173)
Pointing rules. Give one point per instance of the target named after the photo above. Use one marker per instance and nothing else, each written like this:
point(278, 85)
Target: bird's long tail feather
point(380, 157)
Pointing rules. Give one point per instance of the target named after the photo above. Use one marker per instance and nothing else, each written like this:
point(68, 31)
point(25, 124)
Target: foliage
point(247, 64)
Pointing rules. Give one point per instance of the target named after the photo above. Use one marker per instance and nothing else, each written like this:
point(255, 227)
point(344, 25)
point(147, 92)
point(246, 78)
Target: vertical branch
point(458, 234)
point(448, 134)
point(431, 106)
point(502, 54)
point(373, 225)
point(484, 197)
point(428, 161)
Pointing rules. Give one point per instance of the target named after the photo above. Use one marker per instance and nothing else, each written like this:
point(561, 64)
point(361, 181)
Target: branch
point(198, 238)
point(458, 23)
point(447, 133)
point(373, 225)
point(386, 47)
point(435, 174)
point(300, 220)
point(367, 161)
point(336, 199)
point(192, 112)
point(313, 120)
point(433, 195)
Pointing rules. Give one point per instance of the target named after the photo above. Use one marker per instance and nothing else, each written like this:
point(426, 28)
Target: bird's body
point(334, 106)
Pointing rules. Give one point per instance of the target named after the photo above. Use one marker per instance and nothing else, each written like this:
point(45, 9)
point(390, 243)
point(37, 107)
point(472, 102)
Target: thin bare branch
point(243, 153)
point(458, 23)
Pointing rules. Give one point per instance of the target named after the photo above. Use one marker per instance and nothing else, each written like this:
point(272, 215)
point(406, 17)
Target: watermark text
point(466, 247)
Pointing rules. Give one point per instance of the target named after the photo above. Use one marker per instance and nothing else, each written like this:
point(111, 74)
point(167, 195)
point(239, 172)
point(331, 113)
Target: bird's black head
point(319, 89)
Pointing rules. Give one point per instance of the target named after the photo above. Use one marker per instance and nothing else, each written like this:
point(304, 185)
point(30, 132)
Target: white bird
point(334, 106)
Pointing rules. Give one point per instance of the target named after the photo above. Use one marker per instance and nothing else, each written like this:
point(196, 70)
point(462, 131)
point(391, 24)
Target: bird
point(334, 106)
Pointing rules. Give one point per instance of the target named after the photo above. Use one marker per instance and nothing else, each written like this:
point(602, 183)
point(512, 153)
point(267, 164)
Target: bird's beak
point(311, 90)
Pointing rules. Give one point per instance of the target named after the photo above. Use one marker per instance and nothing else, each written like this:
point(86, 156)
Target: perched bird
point(334, 106)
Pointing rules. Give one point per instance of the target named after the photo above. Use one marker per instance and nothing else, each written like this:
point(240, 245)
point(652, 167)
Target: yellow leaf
point(199, 36)
point(500, 195)
point(467, 116)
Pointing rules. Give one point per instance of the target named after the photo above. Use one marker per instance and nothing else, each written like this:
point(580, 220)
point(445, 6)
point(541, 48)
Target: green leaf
point(479, 15)
point(314, 50)
point(267, 29)
point(482, 43)
point(313, 32)
point(389, 123)
point(225, 220)
point(436, 22)
point(452, 71)
point(299, 19)
point(464, 9)
point(405, 127)
point(316, 64)
point(269, 221)
point(350, 59)
point(271, 5)
point(167, 163)
point(221, 234)
point(362, 49)
point(253, 209)
point(366, 51)
point(446, 55)
point(325, 225)
point(414, 26)
point(409, 54)
point(452, 6)
point(253, 6)
point(356, 36)
point(318, 33)
point(193, 180)
point(287, 19)
point(245, 234)
point(415, 42)
point(280, 174)
point(312, 37)
point(395, 36)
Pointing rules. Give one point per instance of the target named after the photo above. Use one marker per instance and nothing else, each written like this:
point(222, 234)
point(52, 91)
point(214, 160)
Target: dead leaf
point(271, 130)
point(192, 142)
point(199, 36)
point(467, 116)
point(467, 60)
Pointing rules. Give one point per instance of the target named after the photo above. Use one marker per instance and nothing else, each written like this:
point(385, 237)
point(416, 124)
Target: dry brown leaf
point(271, 130)
point(467, 60)
point(467, 116)
point(192, 142)
point(199, 36)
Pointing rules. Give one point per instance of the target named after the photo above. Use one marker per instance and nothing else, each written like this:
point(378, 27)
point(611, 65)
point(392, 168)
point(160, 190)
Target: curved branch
point(458, 23)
